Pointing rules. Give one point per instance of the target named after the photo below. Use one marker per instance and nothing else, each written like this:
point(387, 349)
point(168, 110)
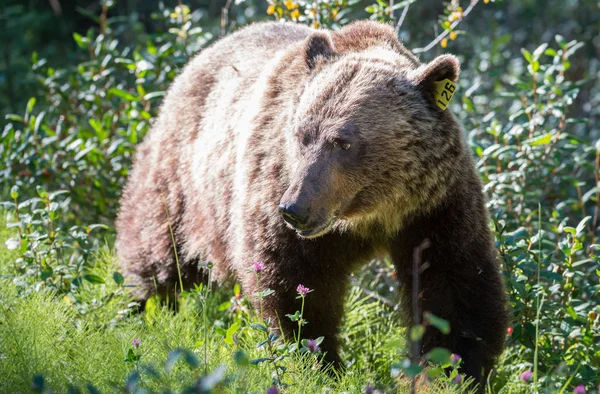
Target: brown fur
point(256, 124)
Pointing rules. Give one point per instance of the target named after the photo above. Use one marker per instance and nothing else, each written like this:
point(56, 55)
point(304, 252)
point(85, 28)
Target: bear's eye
point(345, 145)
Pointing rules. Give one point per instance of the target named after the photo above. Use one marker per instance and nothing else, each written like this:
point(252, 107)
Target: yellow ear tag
point(443, 93)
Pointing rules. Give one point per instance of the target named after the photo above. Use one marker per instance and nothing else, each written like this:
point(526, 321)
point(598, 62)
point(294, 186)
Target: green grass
point(76, 344)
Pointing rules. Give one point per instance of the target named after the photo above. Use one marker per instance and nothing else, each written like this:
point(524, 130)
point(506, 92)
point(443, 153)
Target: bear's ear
point(429, 78)
point(318, 46)
point(440, 68)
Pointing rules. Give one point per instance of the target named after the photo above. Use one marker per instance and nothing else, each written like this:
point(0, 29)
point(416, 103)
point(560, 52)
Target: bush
point(531, 118)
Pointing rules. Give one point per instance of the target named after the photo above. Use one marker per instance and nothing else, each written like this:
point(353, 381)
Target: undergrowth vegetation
point(69, 324)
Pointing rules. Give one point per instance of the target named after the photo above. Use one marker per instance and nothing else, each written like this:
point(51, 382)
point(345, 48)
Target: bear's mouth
point(318, 230)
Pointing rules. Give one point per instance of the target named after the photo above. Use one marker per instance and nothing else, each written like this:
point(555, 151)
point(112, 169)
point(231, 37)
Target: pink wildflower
point(272, 390)
point(312, 346)
point(258, 266)
point(579, 389)
point(526, 376)
point(302, 290)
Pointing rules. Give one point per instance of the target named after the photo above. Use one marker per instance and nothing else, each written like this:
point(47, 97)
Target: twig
point(559, 131)
point(174, 244)
point(447, 31)
point(415, 345)
point(103, 19)
point(55, 4)
point(595, 220)
point(402, 17)
point(225, 16)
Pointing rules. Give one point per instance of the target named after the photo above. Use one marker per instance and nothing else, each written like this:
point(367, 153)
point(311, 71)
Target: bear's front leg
point(323, 305)
point(460, 280)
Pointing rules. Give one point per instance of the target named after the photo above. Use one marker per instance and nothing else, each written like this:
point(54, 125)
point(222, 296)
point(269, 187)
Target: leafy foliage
point(531, 117)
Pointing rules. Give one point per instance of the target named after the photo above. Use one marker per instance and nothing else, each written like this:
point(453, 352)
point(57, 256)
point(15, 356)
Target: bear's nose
point(295, 215)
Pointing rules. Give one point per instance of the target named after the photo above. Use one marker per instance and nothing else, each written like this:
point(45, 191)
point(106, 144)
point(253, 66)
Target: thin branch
point(595, 220)
point(225, 17)
point(55, 4)
point(402, 17)
point(174, 246)
point(447, 31)
point(416, 315)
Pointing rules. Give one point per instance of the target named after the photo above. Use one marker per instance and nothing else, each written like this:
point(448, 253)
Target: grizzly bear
point(315, 152)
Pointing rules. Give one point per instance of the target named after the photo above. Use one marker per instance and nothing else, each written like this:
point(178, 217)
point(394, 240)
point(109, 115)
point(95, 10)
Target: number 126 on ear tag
point(443, 93)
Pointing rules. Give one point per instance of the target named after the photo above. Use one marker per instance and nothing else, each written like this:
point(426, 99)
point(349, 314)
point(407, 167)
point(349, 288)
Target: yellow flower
point(290, 5)
point(486, 1)
point(271, 9)
point(447, 24)
point(456, 15)
point(316, 24)
point(295, 14)
point(453, 35)
point(334, 13)
point(444, 43)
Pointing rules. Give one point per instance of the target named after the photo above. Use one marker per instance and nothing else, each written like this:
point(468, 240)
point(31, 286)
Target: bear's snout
point(295, 215)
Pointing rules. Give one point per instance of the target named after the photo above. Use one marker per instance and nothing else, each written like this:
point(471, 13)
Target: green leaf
point(81, 41)
point(131, 356)
point(92, 227)
point(433, 373)
point(211, 380)
point(97, 126)
point(30, 105)
point(295, 317)
point(95, 279)
point(14, 192)
point(123, 94)
point(41, 192)
point(151, 307)
point(38, 384)
point(241, 358)
point(527, 55)
point(439, 323)
point(582, 224)
point(260, 360)
point(231, 331)
point(14, 117)
point(12, 243)
point(259, 327)
point(541, 140)
point(38, 121)
point(118, 278)
point(46, 273)
point(413, 370)
point(416, 332)
point(181, 354)
point(152, 95)
point(439, 355)
point(539, 50)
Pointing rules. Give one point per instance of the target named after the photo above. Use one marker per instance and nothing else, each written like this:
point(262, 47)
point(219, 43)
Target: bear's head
point(368, 144)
